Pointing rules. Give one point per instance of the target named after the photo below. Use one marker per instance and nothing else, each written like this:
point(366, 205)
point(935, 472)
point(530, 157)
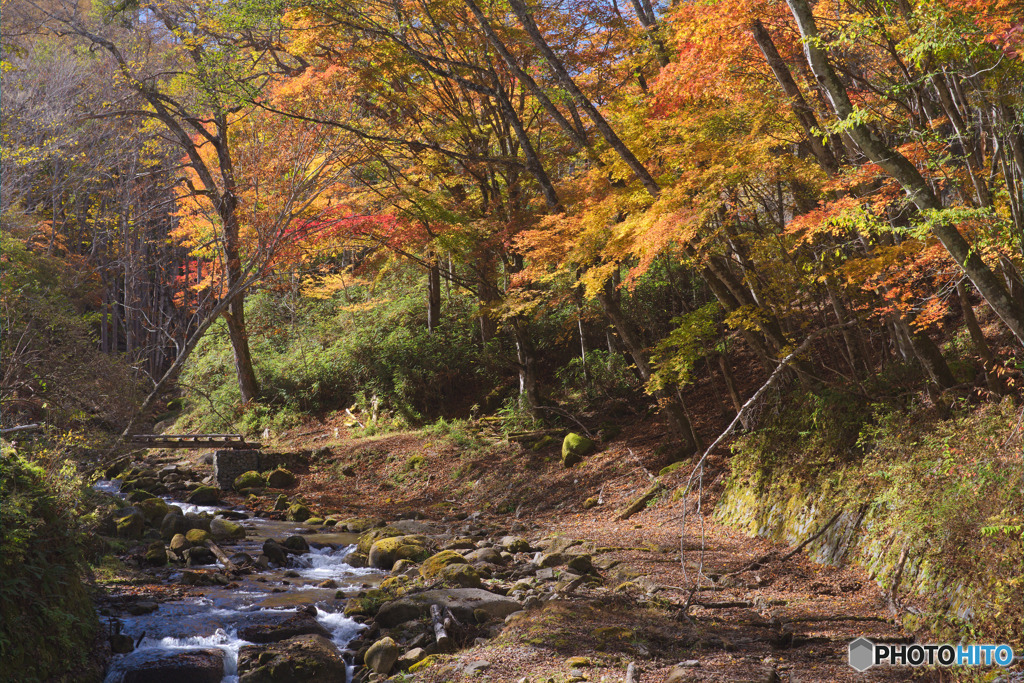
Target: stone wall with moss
point(942, 498)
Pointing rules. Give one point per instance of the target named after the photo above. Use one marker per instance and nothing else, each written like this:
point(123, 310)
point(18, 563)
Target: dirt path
point(784, 620)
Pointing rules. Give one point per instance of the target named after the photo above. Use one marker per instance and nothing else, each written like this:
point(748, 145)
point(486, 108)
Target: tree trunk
point(235, 317)
point(526, 353)
point(678, 422)
point(988, 360)
point(905, 173)
point(433, 293)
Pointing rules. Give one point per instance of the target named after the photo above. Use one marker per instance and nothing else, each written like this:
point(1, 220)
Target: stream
point(213, 617)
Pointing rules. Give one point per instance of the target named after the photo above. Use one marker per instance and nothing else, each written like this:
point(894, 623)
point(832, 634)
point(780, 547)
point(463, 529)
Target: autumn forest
point(771, 252)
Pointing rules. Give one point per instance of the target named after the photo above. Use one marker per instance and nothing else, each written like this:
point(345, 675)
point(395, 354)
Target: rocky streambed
point(266, 593)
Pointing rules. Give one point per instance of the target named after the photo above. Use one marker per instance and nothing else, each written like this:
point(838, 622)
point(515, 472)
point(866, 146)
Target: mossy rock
point(156, 554)
point(395, 585)
point(297, 512)
point(179, 544)
point(433, 565)
point(368, 538)
point(221, 528)
point(429, 660)
point(385, 552)
point(280, 479)
point(367, 604)
point(197, 536)
point(590, 503)
point(315, 521)
point(462, 575)
point(578, 662)
point(131, 525)
point(356, 525)
point(574, 448)
point(204, 495)
point(281, 503)
point(249, 480)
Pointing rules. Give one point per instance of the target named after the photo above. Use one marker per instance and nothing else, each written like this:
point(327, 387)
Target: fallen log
point(631, 674)
point(440, 635)
point(640, 503)
point(221, 555)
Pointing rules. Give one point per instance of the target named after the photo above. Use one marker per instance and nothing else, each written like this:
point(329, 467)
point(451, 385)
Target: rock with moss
point(385, 552)
point(295, 660)
point(368, 538)
point(280, 479)
point(366, 604)
point(581, 564)
point(153, 509)
point(461, 575)
point(204, 495)
point(281, 503)
point(197, 536)
point(223, 529)
point(429, 660)
point(574, 448)
point(433, 565)
point(382, 655)
point(357, 559)
point(296, 544)
point(590, 503)
point(297, 512)
point(249, 480)
point(156, 554)
point(172, 525)
point(179, 544)
point(131, 524)
point(315, 521)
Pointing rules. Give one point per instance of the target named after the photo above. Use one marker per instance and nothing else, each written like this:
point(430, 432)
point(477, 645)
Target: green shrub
point(48, 619)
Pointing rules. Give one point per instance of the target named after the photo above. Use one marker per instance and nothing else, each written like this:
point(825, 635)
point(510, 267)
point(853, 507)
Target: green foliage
point(53, 369)
point(676, 354)
point(947, 490)
point(595, 380)
point(49, 621)
point(364, 346)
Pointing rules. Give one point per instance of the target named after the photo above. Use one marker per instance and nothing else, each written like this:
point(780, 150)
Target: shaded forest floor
point(788, 618)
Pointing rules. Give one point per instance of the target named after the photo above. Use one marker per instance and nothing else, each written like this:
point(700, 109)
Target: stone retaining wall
point(228, 463)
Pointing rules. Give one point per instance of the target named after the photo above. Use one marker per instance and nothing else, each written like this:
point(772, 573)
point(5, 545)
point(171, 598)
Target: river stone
point(485, 555)
point(173, 525)
point(581, 564)
point(462, 575)
point(574, 447)
point(275, 552)
point(382, 655)
point(223, 529)
point(280, 479)
point(193, 666)
point(299, 624)
point(249, 480)
point(204, 495)
point(153, 509)
point(551, 560)
point(356, 559)
point(514, 544)
point(368, 538)
point(385, 552)
point(296, 660)
point(433, 565)
point(296, 544)
point(198, 521)
point(461, 601)
point(131, 524)
point(411, 657)
point(199, 555)
point(297, 512)
point(179, 544)
point(242, 559)
point(156, 554)
point(197, 536)
point(397, 612)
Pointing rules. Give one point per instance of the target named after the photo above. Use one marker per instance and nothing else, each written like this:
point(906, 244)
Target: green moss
point(433, 565)
point(250, 480)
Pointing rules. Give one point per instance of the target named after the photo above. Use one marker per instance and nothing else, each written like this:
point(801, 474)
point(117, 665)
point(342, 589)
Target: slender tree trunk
point(526, 354)
point(433, 292)
point(906, 174)
point(679, 423)
point(981, 346)
point(235, 317)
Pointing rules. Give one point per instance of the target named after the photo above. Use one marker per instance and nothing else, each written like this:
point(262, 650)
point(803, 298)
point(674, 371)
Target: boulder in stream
point(204, 495)
point(299, 659)
point(382, 655)
point(300, 624)
point(280, 479)
point(222, 529)
point(191, 666)
point(297, 512)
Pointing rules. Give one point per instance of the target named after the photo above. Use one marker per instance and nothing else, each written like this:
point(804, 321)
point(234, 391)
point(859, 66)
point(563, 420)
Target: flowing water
point(212, 618)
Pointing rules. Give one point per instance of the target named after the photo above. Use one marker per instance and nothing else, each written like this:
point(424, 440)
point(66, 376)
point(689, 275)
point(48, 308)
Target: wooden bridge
point(236, 441)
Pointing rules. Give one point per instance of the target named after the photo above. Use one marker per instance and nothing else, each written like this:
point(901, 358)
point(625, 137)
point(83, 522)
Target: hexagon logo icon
point(862, 654)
